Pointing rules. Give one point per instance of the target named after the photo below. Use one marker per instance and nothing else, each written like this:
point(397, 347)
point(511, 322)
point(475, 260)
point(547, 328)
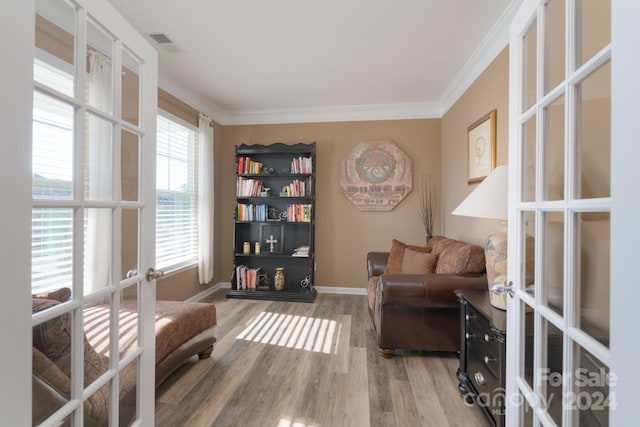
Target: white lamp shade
point(489, 199)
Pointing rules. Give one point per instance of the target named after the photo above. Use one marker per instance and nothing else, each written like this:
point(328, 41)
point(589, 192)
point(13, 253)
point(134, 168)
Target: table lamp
point(489, 200)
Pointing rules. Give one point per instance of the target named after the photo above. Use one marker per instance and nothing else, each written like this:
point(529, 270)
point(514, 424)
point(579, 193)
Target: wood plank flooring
point(280, 364)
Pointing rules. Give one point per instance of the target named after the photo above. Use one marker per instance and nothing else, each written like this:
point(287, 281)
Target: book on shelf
point(302, 251)
point(247, 278)
point(246, 165)
point(297, 188)
point(247, 187)
point(301, 165)
point(299, 212)
point(250, 212)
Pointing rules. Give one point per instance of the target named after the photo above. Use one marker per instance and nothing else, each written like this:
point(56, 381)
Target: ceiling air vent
point(161, 38)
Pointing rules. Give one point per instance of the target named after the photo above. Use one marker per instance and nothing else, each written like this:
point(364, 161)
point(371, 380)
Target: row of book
point(301, 165)
point(299, 213)
point(250, 212)
point(246, 187)
point(297, 188)
point(247, 278)
point(247, 165)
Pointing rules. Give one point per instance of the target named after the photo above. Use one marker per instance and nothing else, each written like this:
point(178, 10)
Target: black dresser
point(482, 354)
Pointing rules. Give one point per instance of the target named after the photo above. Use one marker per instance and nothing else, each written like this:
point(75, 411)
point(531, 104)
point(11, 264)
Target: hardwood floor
point(279, 364)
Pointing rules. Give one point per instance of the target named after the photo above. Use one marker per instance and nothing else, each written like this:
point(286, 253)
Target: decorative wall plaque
point(376, 175)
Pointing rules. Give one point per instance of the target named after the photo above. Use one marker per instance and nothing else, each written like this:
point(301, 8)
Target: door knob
point(153, 274)
point(501, 289)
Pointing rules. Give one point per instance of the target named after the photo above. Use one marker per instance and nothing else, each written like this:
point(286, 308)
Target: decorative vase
point(278, 279)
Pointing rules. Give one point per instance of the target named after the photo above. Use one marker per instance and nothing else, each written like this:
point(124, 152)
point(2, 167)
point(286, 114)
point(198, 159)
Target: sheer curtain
point(98, 175)
point(205, 199)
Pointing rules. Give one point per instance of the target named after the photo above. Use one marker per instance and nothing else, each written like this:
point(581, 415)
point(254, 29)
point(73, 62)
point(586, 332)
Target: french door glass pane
point(553, 260)
point(96, 345)
point(98, 249)
point(99, 88)
point(130, 249)
point(127, 393)
point(55, 35)
point(554, 132)
point(52, 148)
point(529, 159)
point(593, 257)
point(526, 412)
point(594, 136)
point(551, 377)
point(51, 249)
point(594, 24)
point(98, 159)
point(591, 396)
point(130, 88)
point(128, 320)
point(555, 44)
point(528, 344)
point(529, 254)
point(51, 364)
point(130, 166)
point(530, 65)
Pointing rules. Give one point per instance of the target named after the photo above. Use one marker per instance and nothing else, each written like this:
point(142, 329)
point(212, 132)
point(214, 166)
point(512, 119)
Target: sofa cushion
point(456, 257)
point(417, 262)
point(396, 254)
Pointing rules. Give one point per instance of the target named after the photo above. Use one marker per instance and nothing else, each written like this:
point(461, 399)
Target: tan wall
point(344, 234)
point(490, 91)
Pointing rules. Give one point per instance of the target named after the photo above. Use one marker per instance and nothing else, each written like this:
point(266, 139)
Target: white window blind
point(177, 210)
point(52, 168)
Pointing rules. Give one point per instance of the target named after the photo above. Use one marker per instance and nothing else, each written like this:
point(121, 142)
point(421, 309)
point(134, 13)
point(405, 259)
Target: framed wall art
point(481, 147)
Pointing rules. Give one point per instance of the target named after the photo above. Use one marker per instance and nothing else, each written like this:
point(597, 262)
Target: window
point(177, 209)
point(52, 167)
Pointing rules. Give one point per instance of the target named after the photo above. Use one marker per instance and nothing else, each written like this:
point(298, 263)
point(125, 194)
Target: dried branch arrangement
point(427, 202)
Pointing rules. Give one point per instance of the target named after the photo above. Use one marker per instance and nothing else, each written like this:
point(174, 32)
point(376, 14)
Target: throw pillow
point(416, 262)
point(396, 254)
point(53, 337)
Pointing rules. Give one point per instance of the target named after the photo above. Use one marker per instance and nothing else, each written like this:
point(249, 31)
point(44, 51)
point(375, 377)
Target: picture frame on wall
point(481, 147)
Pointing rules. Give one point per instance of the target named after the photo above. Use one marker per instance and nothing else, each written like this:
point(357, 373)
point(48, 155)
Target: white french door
point(562, 322)
point(93, 215)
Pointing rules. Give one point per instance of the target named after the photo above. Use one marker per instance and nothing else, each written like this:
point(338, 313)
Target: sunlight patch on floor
point(299, 332)
point(284, 422)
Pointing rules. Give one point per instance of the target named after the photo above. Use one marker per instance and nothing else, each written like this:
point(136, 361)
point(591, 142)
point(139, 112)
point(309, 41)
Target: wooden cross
point(271, 241)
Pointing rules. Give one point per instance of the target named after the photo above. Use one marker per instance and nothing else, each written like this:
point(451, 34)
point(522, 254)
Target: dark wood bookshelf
point(276, 172)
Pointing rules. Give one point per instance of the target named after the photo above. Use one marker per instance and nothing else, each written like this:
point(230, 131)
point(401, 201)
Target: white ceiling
point(257, 61)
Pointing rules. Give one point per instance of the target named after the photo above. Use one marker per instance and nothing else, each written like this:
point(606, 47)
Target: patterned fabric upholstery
point(456, 257)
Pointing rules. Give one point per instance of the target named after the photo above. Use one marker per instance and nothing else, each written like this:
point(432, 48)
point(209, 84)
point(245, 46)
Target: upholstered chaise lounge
point(183, 329)
point(411, 298)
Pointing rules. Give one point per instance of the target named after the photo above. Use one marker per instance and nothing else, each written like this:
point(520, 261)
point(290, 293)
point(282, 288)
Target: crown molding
point(493, 43)
point(346, 113)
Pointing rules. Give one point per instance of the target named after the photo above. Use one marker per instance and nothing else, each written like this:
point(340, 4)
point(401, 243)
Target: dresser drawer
point(485, 381)
point(486, 343)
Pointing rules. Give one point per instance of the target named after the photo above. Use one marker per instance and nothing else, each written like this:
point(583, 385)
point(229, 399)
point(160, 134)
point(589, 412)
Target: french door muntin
point(127, 52)
point(557, 363)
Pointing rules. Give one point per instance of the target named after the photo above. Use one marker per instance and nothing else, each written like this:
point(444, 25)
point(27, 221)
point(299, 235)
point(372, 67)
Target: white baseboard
point(340, 290)
point(202, 295)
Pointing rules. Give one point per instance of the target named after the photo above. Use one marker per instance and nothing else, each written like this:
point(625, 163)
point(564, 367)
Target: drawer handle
point(469, 335)
point(469, 316)
point(488, 359)
point(479, 378)
point(488, 337)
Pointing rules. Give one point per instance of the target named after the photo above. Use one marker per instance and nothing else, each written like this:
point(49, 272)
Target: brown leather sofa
point(420, 311)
